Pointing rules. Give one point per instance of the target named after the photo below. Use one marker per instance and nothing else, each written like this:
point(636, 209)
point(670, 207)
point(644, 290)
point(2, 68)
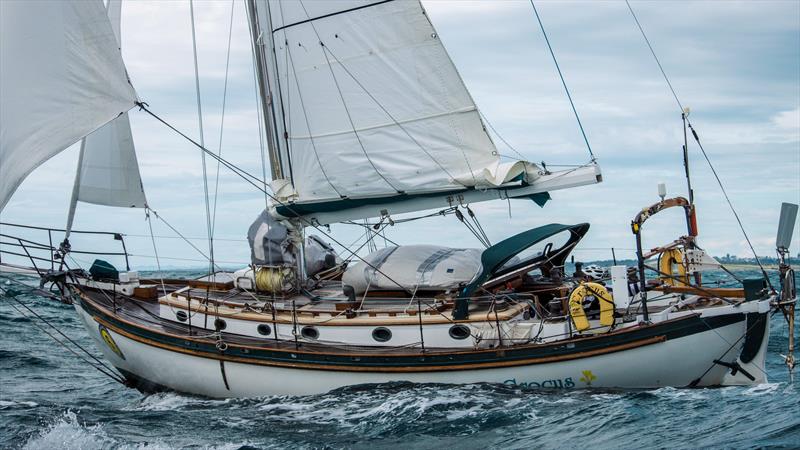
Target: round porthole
point(264, 329)
point(459, 332)
point(309, 333)
point(381, 334)
point(220, 324)
point(181, 315)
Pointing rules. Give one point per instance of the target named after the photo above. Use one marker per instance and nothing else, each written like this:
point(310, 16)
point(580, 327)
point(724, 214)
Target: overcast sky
point(735, 64)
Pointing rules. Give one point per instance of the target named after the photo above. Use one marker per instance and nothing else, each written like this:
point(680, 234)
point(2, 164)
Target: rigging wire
point(180, 235)
point(155, 250)
point(563, 82)
point(502, 139)
point(209, 229)
point(99, 366)
point(242, 174)
point(700, 145)
point(222, 118)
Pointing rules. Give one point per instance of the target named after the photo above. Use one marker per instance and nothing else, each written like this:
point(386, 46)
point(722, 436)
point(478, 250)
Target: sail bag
point(414, 268)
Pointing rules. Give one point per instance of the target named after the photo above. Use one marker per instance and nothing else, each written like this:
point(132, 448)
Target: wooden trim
point(704, 292)
point(341, 320)
point(453, 352)
point(439, 368)
point(200, 284)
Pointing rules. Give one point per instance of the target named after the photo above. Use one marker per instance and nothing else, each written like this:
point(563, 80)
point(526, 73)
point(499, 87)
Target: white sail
point(366, 115)
point(109, 172)
point(372, 105)
point(61, 77)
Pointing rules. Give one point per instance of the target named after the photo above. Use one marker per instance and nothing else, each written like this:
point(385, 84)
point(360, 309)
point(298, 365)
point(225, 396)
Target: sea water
point(49, 399)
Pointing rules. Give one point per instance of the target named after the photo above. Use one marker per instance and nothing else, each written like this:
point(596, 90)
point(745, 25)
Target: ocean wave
point(68, 433)
point(8, 404)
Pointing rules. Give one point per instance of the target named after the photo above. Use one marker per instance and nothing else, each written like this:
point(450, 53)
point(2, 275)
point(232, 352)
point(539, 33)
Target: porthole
point(459, 332)
point(382, 334)
point(181, 315)
point(220, 324)
point(310, 333)
point(264, 329)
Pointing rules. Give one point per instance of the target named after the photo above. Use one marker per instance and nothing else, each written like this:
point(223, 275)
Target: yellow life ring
point(576, 305)
point(666, 261)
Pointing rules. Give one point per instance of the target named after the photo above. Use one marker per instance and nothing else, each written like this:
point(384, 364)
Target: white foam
point(67, 433)
point(5, 404)
point(762, 389)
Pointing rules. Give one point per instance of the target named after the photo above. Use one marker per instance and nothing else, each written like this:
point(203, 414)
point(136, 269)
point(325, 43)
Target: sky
point(736, 65)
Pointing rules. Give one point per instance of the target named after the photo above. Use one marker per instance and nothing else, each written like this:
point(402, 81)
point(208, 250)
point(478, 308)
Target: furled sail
point(369, 114)
point(109, 172)
point(61, 77)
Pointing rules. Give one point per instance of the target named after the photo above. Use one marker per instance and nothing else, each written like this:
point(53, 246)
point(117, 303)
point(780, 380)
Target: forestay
point(61, 77)
point(109, 172)
point(370, 104)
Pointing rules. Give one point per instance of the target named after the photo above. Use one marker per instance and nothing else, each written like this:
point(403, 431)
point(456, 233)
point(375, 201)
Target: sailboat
point(366, 118)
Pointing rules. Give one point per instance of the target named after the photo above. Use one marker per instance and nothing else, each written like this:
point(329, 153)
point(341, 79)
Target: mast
point(257, 35)
point(265, 64)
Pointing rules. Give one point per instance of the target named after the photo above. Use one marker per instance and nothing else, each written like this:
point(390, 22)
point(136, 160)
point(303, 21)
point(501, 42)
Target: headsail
point(108, 171)
point(369, 110)
point(61, 77)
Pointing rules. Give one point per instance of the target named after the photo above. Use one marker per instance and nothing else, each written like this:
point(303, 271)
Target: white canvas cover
point(109, 172)
point(61, 77)
point(415, 268)
point(373, 105)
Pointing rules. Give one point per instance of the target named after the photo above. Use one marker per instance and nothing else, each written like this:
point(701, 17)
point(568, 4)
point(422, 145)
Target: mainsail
point(108, 172)
point(369, 114)
point(61, 77)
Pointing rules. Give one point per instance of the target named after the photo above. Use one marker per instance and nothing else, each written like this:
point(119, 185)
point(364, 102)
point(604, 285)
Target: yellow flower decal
point(587, 377)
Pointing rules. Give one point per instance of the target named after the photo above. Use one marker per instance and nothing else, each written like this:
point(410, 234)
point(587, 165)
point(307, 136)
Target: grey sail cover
point(61, 78)
point(414, 268)
point(270, 243)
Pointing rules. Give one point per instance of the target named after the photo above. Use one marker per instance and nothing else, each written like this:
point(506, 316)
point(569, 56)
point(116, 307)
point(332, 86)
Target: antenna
point(684, 116)
point(662, 190)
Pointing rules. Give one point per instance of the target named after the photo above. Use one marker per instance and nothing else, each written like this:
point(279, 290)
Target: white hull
point(675, 362)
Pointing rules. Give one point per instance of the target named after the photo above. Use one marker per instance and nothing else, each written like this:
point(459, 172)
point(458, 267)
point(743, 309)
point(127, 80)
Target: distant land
point(727, 260)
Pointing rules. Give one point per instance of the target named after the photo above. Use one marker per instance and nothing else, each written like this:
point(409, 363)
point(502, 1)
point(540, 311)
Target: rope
point(222, 118)
point(209, 229)
point(563, 82)
point(100, 366)
point(702, 150)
